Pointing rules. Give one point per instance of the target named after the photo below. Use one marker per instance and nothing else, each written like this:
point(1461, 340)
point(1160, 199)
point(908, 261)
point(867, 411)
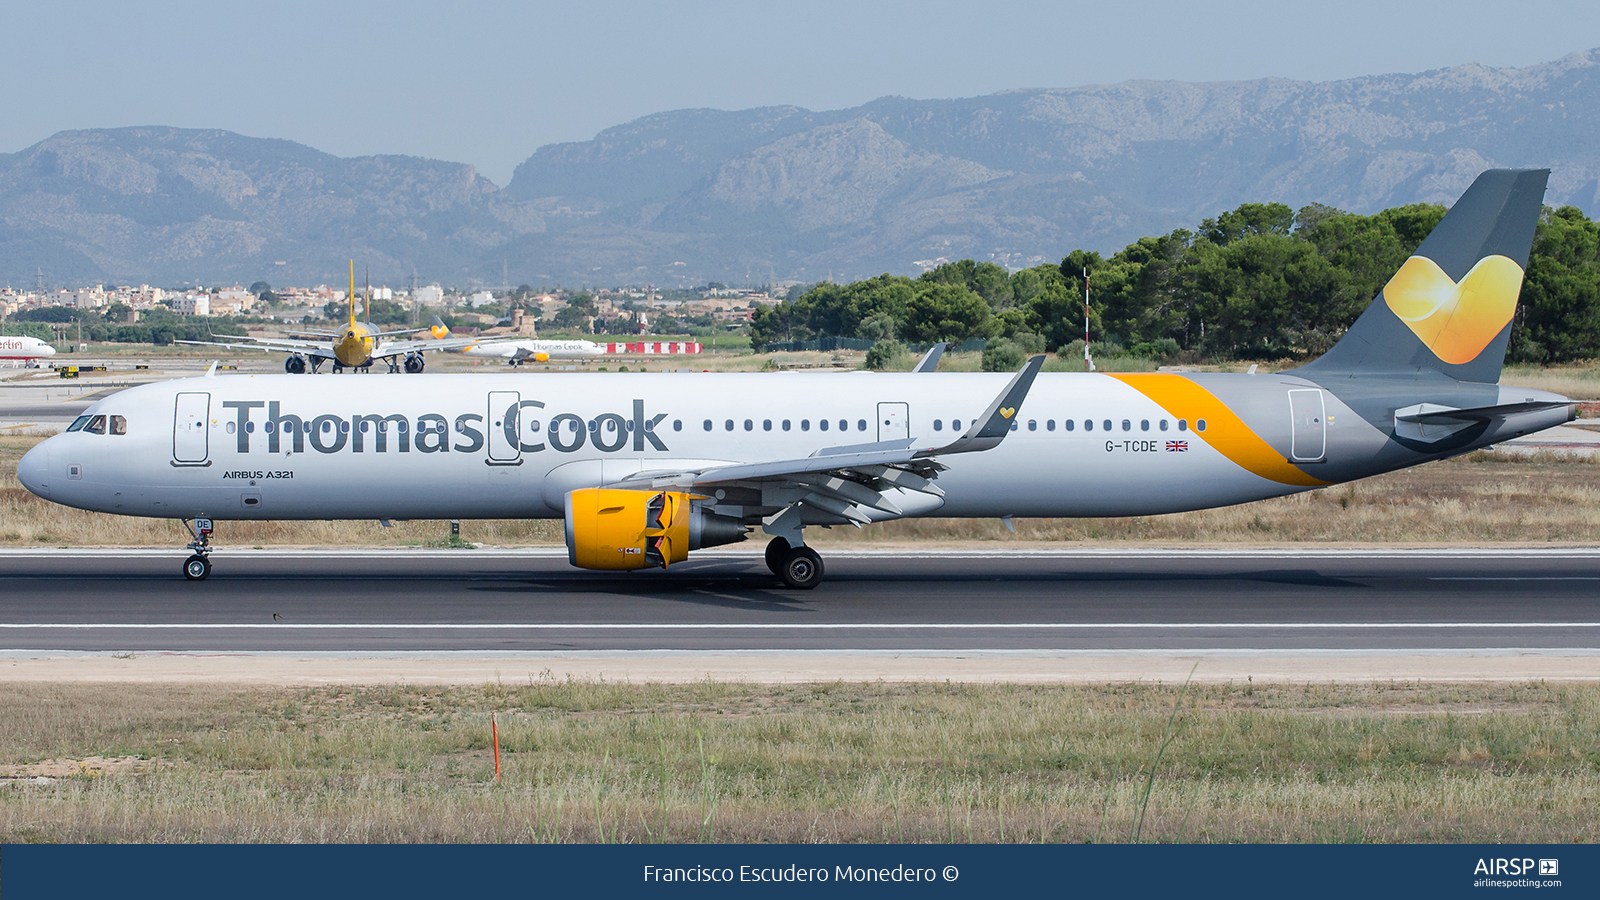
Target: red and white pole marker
point(494, 729)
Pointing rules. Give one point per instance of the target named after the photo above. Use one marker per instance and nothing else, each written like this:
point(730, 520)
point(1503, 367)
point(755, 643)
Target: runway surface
point(506, 602)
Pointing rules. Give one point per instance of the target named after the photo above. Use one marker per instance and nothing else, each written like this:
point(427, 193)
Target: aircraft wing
point(836, 480)
point(272, 345)
point(399, 348)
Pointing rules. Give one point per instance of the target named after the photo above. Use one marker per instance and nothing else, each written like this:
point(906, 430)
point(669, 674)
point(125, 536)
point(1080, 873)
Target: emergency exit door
point(190, 436)
point(894, 421)
point(505, 427)
point(1308, 441)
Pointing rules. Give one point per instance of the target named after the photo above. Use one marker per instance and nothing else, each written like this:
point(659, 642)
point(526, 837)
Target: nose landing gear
point(198, 566)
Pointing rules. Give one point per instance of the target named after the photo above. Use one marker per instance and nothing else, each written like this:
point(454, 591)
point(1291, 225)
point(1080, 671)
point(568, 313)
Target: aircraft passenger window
point(823, 424)
point(1183, 424)
point(1033, 425)
point(344, 427)
point(727, 425)
point(1163, 424)
point(97, 425)
point(1088, 424)
point(78, 423)
point(594, 426)
point(805, 424)
point(955, 424)
point(1126, 425)
point(677, 424)
point(119, 425)
point(1067, 424)
point(326, 426)
point(533, 424)
point(1013, 426)
point(229, 428)
point(611, 424)
point(749, 425)
point(1049, 424)
point(1106, 424)
point(1200, 425)
point(844, 425)
point(785, 424)
point(708, 424)
point(1144, 424)
point(861, 424)
point(766, 424)
point(938, 425)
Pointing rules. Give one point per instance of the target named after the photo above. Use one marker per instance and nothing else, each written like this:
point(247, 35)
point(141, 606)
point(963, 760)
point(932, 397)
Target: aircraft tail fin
point(439, 330)
point(1449, 308)
point(352, 295)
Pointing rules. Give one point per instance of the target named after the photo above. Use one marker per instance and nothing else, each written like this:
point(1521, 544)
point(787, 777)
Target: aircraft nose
point(48, 350)
point(33, 470)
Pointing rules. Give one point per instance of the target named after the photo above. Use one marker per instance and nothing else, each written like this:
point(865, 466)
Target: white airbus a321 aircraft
point(646, 469)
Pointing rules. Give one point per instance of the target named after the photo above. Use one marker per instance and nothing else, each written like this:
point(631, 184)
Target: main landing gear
point(198, 566)
point(799, 567)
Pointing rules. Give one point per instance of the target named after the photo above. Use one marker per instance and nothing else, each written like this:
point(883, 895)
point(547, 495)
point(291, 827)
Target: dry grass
point(1580, 381)
point(1480, 498)
point(828, 762)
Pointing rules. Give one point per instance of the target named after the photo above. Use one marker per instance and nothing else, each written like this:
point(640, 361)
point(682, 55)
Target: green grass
point(586, 761)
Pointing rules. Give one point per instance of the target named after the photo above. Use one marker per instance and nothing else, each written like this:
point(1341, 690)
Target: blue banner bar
point(300, 872)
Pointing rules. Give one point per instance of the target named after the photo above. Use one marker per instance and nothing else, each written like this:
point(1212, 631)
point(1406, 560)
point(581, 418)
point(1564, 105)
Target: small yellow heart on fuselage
point(1008, 412)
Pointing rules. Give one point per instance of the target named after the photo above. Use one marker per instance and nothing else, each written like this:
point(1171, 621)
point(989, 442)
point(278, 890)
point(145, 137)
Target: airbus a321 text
point(646, 469)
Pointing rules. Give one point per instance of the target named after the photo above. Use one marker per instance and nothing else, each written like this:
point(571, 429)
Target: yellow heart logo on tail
point(1455, 321)
point(1008, 412)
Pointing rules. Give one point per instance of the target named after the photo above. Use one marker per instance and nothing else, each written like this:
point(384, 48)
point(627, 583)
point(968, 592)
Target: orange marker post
point(494, 729)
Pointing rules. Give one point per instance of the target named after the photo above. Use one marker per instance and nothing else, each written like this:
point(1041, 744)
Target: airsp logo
point(1511, 866)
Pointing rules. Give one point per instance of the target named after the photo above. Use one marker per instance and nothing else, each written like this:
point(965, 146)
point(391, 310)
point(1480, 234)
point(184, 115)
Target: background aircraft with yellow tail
point(357, 346)
point(645, 469)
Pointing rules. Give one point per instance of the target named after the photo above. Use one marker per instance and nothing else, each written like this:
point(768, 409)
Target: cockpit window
point(97, 425)
point(78, 423)
point(119, 425)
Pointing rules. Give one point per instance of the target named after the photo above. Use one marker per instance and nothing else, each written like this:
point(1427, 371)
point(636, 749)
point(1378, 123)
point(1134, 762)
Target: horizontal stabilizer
point(1431, 413)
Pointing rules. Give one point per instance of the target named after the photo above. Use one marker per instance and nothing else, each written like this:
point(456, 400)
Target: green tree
point(1002, 355)
point(1558, 319)
point(883, 355)
point(986, 279)
point(947, 312)
point(1248, 219)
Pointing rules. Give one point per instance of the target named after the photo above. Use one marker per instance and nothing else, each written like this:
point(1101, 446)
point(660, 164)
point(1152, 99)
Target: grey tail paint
point(1495, 217)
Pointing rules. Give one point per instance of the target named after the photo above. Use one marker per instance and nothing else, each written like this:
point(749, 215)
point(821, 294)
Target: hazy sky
point(488, 83)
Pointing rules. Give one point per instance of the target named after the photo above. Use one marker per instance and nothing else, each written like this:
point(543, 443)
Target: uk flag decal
point(1177, 446)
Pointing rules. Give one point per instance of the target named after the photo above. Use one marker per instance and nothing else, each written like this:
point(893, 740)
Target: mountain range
point(784, 193)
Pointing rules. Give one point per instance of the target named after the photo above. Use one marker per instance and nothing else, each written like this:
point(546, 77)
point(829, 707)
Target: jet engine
point(609, 528)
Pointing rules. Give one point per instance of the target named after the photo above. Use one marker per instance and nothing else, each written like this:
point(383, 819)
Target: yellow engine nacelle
point(613, 529)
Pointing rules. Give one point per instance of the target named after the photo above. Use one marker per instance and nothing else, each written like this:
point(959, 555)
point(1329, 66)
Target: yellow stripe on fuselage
point(1225, 431)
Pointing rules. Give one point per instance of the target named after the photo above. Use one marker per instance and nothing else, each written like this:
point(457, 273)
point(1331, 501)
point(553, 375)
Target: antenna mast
point(1088, 362)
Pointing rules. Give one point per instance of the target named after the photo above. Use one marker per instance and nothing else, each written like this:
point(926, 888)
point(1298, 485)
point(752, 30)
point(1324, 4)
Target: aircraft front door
point(190, 436)
point(894, 421)
point(1308, 441)
point(505, 426)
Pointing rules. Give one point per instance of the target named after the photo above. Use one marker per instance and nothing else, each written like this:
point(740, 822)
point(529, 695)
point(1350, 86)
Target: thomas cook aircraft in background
point(24, 350)
point(357, 346)
point(520, 350)
point(646, 469)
